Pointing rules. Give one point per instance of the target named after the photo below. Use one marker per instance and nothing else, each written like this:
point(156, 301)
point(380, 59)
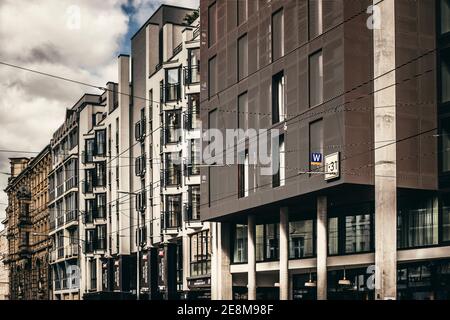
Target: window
point(350, 229)
point(243, 172)
point(446, 219)
point(301, 239)
point(172, 174)
point(315, 18)
point(277, 35)
point(100, 142)
point(445, 16)
point(357, 233)
point(445, 145)
point(193, 116)
point(445, 76)
point(315, 79)
point(101, 206)
point(90, 238)
point(100, 168)
point(194, 161)
point(278, 106)
point(242, 57)
point(212, 24)
point(90, 210)
point(200, 254)
point(172, 126)
point(259, 242)
point(194, 203)
point(212, 76)
point(172, 218)
point(192, 74)
point(172, 88)
point(101, 237)
point(242, 11)
point(417, 223)
point(242, 112)
point(89, 180)
point(316, 143)
point(89, 150)
point(278, 179)
point(240, 244)
point(93, 275)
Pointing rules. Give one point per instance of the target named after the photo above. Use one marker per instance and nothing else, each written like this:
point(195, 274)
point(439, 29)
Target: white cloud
point(77, 39)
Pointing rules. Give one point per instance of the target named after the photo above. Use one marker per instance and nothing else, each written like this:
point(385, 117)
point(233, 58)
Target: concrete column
point(385, 153)
point(284, 253)
point(251, 285)
point(322, 246)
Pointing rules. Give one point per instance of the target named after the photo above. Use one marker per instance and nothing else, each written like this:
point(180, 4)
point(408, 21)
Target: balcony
point(170, 92)
point(191, 75)
point(89, 247)
point(140, 166)
point(71, 182)
point(171, 219)
point(141, 201)
point(171, 177)
point(60, 253)
point(139, 130)
point(60, 189)
point(72, 251)
point(60, 220)
point(88, 217)
point(170, 135)
point(192, 169)
point(53, 256)
point(71, 216)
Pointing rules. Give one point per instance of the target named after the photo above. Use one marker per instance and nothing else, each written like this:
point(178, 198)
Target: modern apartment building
point(175, 245)
point(357, 207)
point(4, 270)
point(27, 228)
point(64, 194)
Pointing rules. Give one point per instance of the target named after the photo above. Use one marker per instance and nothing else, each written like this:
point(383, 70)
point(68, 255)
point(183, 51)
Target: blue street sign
point(316, 159)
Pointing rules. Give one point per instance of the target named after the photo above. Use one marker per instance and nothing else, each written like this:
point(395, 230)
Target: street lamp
point(138, 267)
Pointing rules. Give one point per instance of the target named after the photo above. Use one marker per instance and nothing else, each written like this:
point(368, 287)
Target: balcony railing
point(177, 49)
point(71, 182)
point(60, 252)
point(72, 250)
point(71, 215)
point(192, 119)
point(140, 166)
point(141, 201)
point(170, 134)
point(60, 189)
point(191, 75)
point(171, 219)
point(171, 177)
point(87, 157)
point(192, 169)
point(139, 130)
point(60, 220)
point(170, 92)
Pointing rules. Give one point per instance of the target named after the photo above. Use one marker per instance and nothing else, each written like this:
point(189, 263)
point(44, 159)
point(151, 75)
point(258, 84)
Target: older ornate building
point(4, 272)
point(27, 225)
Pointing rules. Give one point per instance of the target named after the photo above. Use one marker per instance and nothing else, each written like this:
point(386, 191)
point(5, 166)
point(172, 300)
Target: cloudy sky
point(78, 39)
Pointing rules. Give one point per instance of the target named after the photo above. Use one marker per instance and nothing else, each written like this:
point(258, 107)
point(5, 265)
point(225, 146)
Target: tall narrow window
point(445, 145)
point(93, 268)
point(446, 219)
point(445, 16)
point(315, 18)
point(242, 10)
point(278, 106)
point(240, 243)
point(445, 76)
point(315, 79)
point(277, 35)
point(100, 142)
point(212, 24)
point(333, 236)
point(212, 76)
point(316, 144)
point(243, 172)
point(278, 179)
point(243, 112)
point(242, 57)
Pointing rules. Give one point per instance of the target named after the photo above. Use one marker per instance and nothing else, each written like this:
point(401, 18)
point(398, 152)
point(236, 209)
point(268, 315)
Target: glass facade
point(445, 209)
point(417, 223)
point(240, 244)
point(301, 239)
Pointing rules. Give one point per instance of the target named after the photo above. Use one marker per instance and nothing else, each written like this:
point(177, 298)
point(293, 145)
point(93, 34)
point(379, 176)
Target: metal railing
point(71, 215)
point(139, 130)
point(177, 49)
point(191, 75)
point(170, 92)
